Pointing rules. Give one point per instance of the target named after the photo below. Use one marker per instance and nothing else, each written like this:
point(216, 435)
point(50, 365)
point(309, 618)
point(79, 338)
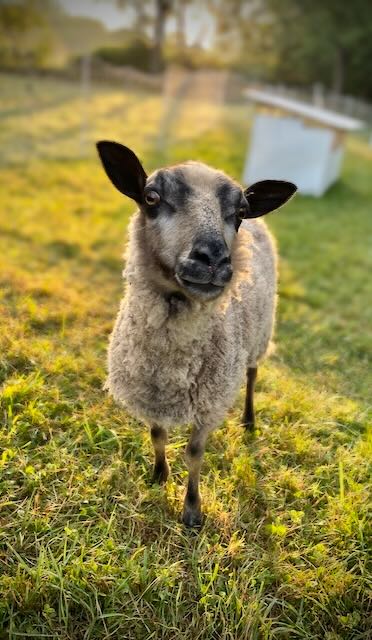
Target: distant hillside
point(74, 35)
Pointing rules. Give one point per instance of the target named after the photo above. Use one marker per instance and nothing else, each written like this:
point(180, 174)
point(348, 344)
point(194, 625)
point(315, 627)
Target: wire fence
point(60, 115)
point(319, 96)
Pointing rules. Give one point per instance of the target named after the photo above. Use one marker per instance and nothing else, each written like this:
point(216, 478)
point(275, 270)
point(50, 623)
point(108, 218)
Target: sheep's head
point(191, 215)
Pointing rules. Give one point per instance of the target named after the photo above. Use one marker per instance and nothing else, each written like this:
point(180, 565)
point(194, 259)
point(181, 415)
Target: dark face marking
point(180, 188)
point(230, 197)
point(173, 190)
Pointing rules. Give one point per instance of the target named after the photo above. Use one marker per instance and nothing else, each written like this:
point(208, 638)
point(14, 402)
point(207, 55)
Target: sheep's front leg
point(248, 419)
point(159, 437)
point(192, 515)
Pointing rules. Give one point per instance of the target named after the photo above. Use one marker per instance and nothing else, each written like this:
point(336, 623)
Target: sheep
point(199, 307)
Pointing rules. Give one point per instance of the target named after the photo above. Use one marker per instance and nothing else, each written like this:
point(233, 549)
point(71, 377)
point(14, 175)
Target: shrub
point(137, 54)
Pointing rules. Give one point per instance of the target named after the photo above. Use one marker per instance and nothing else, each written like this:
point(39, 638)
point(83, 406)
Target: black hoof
point(192, 518)
point(160, 473)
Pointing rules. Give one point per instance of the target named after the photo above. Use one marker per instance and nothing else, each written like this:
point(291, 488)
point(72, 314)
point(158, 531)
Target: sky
point(199, 24)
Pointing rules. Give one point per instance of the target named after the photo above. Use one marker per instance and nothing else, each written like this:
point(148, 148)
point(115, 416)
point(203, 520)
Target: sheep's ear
point(267, 195)
point(123, 168)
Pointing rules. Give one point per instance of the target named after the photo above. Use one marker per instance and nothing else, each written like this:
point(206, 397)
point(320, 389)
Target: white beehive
point(295, 141)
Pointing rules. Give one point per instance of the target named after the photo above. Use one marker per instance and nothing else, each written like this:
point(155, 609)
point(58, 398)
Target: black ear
point(123, 168)
point(267, 195)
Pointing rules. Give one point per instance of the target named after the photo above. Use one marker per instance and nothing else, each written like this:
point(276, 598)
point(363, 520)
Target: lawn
point(88, 549)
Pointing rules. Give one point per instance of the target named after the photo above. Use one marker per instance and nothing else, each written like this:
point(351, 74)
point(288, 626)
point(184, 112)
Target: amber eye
point(152, 198)
point(242, 211)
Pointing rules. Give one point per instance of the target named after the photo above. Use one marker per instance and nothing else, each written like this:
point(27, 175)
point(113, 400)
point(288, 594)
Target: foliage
point(306, 41)
point(87, 548)
point(142, 18)
point(138, 54)
point(192, 57)
point(74, 35)
point(25, 39)
point(298, 42)
point(154, 13)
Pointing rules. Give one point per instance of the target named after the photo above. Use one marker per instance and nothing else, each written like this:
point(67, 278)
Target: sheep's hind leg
point(248, 418)
point(159, 437)
point(192, 515)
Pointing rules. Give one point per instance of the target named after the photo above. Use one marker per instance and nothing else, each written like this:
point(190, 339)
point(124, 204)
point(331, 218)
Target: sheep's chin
point(201, 291)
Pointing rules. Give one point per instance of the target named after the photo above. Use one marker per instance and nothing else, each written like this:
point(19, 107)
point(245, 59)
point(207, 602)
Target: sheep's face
point(191, 214)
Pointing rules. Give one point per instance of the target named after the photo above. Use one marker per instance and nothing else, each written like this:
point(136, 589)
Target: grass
point(88, 549)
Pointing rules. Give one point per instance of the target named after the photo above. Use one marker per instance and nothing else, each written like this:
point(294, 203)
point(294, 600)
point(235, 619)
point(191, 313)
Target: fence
point(46, 114)
point(320, 97)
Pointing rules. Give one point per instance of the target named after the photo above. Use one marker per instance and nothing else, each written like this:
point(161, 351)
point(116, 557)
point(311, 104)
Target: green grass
point(88, 549)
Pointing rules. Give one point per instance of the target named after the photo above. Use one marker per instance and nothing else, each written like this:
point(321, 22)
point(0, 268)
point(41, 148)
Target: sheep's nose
point(213, 254)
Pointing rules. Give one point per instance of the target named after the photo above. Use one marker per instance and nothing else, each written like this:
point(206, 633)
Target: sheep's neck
point(152, 292)
point(169, 310)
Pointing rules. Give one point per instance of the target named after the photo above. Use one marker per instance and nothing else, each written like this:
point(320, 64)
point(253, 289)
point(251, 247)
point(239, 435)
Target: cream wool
point(186, 366)
point(199, 307)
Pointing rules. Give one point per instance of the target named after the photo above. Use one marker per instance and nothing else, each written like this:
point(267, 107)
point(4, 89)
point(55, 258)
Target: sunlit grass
point(88, 548)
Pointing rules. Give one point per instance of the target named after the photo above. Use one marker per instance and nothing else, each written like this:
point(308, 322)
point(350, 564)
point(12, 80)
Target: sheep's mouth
point(200, 289)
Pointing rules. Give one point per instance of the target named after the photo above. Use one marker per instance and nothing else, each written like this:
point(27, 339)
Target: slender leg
point(159, 437)
point(192, 515)
point(248, 415)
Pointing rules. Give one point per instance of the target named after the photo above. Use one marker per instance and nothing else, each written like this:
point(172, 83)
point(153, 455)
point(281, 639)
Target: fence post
point(318, 94)
point(85, 86)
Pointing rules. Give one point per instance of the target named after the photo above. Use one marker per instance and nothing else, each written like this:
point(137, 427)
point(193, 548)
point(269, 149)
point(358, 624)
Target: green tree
point(324, 40)
point(24, 34)
point(162, 10)
point(180, 7)
point(142, 19)
point(153, 14)
point(299, 41)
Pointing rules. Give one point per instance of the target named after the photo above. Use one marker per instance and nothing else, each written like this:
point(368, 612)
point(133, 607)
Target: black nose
point(213, 253)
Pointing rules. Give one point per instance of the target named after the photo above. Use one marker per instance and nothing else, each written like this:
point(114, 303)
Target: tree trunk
point(141, 19)
point(162, 8)
point(180, 20)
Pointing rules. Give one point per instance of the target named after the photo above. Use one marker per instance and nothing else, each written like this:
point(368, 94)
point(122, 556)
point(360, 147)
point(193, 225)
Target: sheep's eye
point(152, 198)
point(242, 212)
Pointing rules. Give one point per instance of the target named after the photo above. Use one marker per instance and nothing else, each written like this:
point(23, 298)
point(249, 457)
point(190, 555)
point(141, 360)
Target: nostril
point(213, 255)
point(224, 261)
point(201, 256)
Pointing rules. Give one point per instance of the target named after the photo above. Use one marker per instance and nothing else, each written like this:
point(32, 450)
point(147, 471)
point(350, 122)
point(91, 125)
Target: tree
point(300, 41)
point(230, 17)
point(324, 40)
point(140, 7)
point(151, 12)
point(24, 34)
point(162, 10)
point(180, 15)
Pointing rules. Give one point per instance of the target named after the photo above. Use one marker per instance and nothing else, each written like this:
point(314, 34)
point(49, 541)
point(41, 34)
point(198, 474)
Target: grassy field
point(88, 549)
